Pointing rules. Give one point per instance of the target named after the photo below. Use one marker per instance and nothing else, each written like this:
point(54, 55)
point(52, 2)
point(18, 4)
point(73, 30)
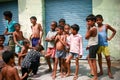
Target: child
point(75, 42)
point(9, 29)
point(18, 39)
point(62, 22)
point(60, 50)
point(103, 43)
point(51, 44)
point(92, 37)
point(9, 72)
point(24, 50)
point(31, 61)
point(37, 32)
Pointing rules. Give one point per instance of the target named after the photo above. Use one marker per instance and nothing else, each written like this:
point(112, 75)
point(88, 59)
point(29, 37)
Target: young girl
point(75, 43)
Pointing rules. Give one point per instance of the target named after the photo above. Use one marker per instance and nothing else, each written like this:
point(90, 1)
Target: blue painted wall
point(11, 6)
point(73, 11)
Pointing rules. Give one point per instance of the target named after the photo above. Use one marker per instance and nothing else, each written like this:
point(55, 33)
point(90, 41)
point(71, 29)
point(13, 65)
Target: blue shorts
point(18, 48)
point(74, 55)
point(35, 41)
point(60, 54)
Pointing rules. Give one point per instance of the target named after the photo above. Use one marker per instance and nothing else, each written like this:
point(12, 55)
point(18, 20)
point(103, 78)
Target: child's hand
point(108, 39)
point(80, 56)
point(87, 48)
point(53, 37)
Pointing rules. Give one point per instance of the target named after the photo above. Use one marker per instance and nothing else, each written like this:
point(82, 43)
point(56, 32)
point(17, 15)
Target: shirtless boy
point(18, 39)
point(37, 32)
point(24, 50)
point(60, 50)
point(9, 72)
point(2, 49)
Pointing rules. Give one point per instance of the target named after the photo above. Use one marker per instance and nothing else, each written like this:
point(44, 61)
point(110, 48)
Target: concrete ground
point(83, 70)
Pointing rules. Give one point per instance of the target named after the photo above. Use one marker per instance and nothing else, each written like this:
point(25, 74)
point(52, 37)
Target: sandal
point(90, 75)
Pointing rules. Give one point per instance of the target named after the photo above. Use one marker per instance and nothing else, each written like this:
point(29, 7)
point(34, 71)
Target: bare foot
point(75, 77)
point(110, 75)
point(68, 74)
point(53, 77)
point(94, 78)
point(61, 75)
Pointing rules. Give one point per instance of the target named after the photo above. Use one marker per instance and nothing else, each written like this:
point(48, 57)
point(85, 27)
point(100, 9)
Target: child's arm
point(81, 47)
point(91, 32)
point(41, 31)
point(22, 78)
point(15, 39)
point(16, 75)
point(113, 32)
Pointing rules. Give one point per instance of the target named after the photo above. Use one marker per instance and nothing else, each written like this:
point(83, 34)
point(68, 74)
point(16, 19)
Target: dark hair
point(62, 20)
point(33, 17)
point(25, 42)
point(75, 27)
point(2, 37)
point(16, 24)
point(99, 16)
point(7, 55)
point(91, 17)
point(67, 25)
point(55, 23)
point(8, 14)
point(39, 47)
point(60, 27)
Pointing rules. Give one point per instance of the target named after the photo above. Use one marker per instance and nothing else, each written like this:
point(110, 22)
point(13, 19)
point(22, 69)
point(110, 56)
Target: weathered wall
point(28, 8)
point(110, 9)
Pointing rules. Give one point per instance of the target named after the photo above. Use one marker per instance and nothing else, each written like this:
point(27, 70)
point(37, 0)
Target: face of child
point(53, 26)
point(17, 27)
point(99, 21)
point(33, 21)
point(62, 24)
point(27, 44)
point(73, 31)
point(90, 23)
point(59, 31)
point(66, 28)
point(5, 17)
point(1, 41)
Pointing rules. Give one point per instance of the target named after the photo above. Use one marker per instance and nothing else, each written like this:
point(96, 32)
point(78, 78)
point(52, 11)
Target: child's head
point(74, 29)
point(59, 30)
point(53, 25)
point(2, 39)
point(17, 27)
point(39, 48)
point(7, 15)
point(62, 22)
point(67, 28)
point(26, 43)
point(91, 19)
point(99, 19)
point(33, 19)
point(8, 57)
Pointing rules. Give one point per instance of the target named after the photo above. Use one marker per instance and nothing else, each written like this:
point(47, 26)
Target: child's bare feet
point(68, 74)
point(53, 77)
point(94, 78)
point(110, 75)
point(75, 77)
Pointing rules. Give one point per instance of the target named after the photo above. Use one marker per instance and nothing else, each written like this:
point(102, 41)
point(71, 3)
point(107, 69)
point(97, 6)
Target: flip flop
point(90, 75)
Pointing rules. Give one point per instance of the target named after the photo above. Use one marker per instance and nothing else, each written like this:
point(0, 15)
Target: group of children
point(64, 43)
